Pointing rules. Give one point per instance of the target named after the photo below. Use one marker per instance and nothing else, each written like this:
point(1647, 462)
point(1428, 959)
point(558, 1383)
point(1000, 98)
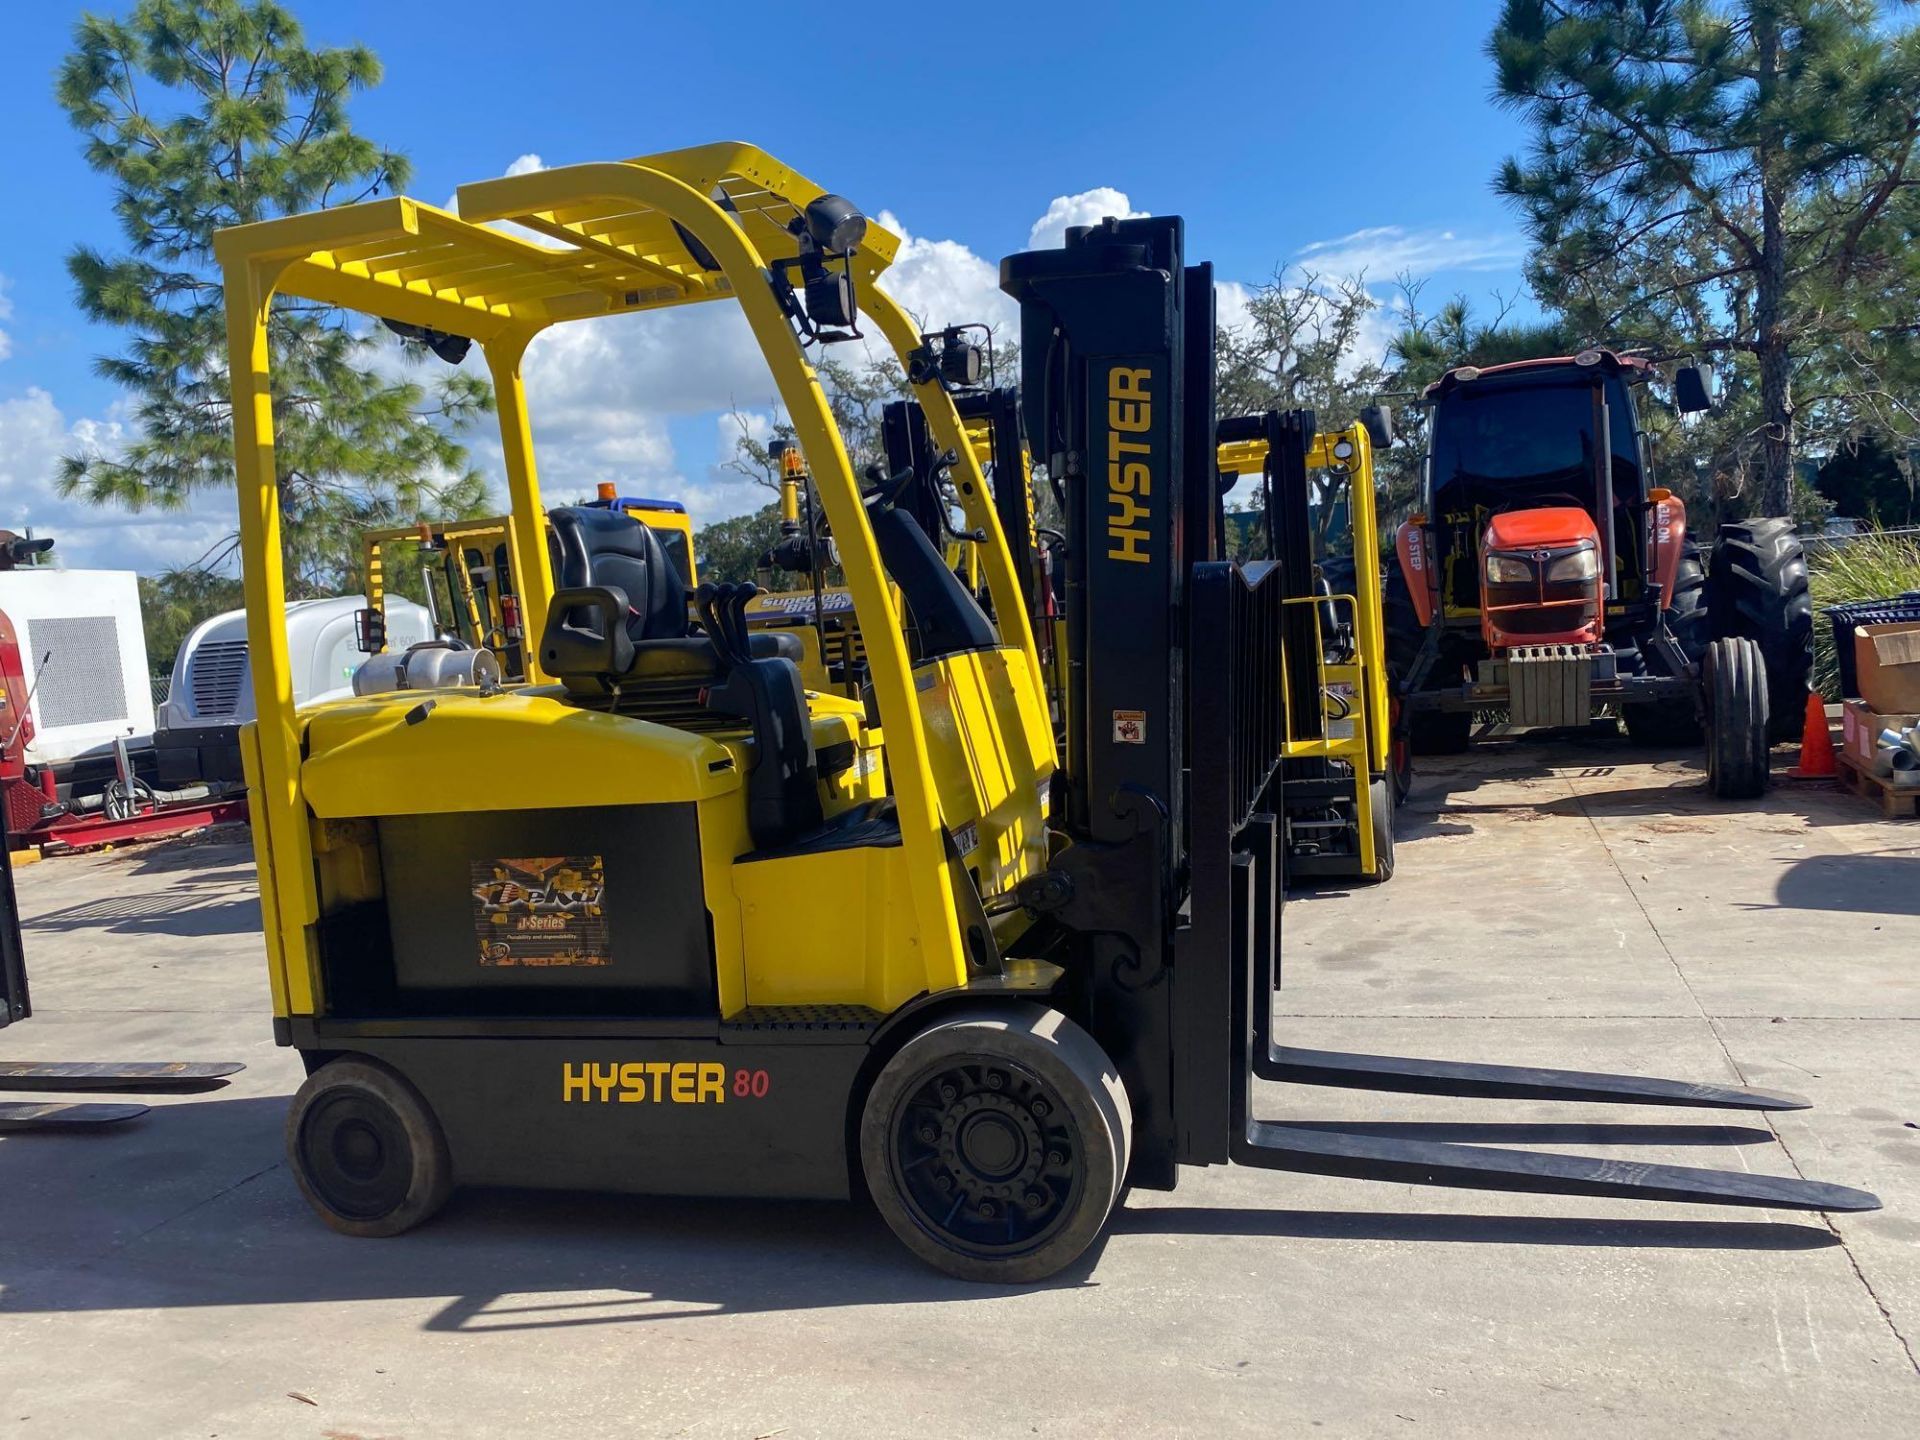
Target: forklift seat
point(610, 549)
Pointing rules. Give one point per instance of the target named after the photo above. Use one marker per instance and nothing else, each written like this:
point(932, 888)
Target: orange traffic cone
point(1816, 744)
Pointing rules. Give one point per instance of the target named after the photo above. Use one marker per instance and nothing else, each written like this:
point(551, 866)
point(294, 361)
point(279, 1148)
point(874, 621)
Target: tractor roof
point(1630, 368)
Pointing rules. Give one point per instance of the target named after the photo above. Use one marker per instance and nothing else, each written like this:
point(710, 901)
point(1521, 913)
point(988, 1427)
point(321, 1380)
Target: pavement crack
point(182, 1214)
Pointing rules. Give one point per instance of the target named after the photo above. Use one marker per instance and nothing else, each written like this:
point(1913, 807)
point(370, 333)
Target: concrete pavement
point(1567, 904)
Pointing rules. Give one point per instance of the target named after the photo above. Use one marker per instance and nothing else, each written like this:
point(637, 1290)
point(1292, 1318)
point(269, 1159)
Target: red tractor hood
point(1551, 528)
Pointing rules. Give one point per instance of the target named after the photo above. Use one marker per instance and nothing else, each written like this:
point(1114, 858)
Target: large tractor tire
point(1757, 588)
point(1734, 674)
point(995, 1143)
point(1675, 722)
point(1429, 732)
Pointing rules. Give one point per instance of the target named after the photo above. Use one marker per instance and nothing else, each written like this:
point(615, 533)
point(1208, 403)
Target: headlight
point(1581, 565)
point(1505, 570)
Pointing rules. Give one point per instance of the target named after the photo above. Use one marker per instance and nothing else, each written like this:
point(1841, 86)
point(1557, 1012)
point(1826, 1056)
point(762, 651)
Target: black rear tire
point(995, 1143)
point(1758, 589)
point(1380, 800)
point(366, 1150)
point(1675, 722)
point(1734, 674)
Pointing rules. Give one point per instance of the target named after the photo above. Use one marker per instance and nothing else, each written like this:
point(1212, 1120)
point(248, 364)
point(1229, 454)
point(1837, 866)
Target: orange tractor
point(1549, 578)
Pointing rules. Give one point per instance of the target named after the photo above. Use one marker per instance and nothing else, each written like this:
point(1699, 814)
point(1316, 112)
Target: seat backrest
point(612, 549)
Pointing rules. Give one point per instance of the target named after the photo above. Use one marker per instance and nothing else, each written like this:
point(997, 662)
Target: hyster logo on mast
point(1129, 476)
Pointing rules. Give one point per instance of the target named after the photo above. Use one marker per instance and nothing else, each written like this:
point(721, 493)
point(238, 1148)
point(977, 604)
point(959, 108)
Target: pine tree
point(210, 113)
point(1717, 174)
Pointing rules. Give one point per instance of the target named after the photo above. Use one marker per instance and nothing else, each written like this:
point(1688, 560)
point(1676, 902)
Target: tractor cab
point(1520, 438)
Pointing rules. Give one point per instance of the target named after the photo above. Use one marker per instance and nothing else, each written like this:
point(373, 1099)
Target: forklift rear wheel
point(366, 1151)
point(1381, 801)
point(995, 1143)
point(1735, 677)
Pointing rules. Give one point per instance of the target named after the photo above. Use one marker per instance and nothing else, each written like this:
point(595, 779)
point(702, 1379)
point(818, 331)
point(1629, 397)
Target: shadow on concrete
point(1877, 884)
point(185, 910)
point(1419, 824)
point(225, 849)
point(192, 1207)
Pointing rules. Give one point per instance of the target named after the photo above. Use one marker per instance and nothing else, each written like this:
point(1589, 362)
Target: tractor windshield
point(1528, 444)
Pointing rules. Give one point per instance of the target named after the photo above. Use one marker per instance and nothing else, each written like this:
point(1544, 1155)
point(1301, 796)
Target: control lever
point(711, 601)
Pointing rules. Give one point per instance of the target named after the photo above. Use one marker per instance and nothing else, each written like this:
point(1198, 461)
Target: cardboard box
point(1887, 658)
point(1860, 729)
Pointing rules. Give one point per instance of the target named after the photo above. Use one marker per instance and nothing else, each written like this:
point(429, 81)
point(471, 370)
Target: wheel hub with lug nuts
point(987, 1156)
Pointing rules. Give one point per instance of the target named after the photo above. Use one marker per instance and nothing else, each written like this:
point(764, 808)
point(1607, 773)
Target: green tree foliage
point(731, 549)
point(1867, 482)
point(1730, 176)
point(210, 113)
point(173, 602)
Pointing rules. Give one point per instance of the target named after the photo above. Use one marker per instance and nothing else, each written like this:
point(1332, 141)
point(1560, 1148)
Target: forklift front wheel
point(995, 1143)
point(1381, 802)
point(366, 1151)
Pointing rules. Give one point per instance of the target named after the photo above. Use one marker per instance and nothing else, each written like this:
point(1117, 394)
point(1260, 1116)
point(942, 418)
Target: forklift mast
point(1117, 399)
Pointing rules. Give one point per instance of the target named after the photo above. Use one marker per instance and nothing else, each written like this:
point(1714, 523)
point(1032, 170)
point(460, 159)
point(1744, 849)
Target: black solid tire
point(1735, 676)
point(366, 1150)
point(1381, 802)
point(1675, 722)
point(1040, 1055)
point(1758, 589)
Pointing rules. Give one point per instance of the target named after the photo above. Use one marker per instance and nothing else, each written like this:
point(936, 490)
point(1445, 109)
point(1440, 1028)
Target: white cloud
point(1089, 207)
point(526, 164)
point(1382, 252)
point(34, 434)
point(942, 282)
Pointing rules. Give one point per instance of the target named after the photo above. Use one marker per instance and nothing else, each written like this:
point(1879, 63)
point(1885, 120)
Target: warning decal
point(543, 911)
point(1130, 727)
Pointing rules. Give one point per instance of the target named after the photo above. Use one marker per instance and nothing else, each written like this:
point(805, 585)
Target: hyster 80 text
point(668, 1082)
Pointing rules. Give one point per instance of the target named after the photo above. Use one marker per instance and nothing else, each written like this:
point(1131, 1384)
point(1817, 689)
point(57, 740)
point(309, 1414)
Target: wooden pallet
point(1897, 802)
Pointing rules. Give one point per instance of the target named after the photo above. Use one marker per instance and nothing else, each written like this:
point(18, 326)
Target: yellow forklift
point(465, 571)
point(1341, 786)
point(702, 932)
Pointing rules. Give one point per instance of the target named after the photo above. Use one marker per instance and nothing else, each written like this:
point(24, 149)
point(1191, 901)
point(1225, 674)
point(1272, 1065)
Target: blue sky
point(1356, 136)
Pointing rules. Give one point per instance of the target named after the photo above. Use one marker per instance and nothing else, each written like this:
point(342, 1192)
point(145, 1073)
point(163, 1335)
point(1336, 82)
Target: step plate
point(22, 1116)
point(1476, 1167)
point(142, 1076)
point(1507, 1082)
